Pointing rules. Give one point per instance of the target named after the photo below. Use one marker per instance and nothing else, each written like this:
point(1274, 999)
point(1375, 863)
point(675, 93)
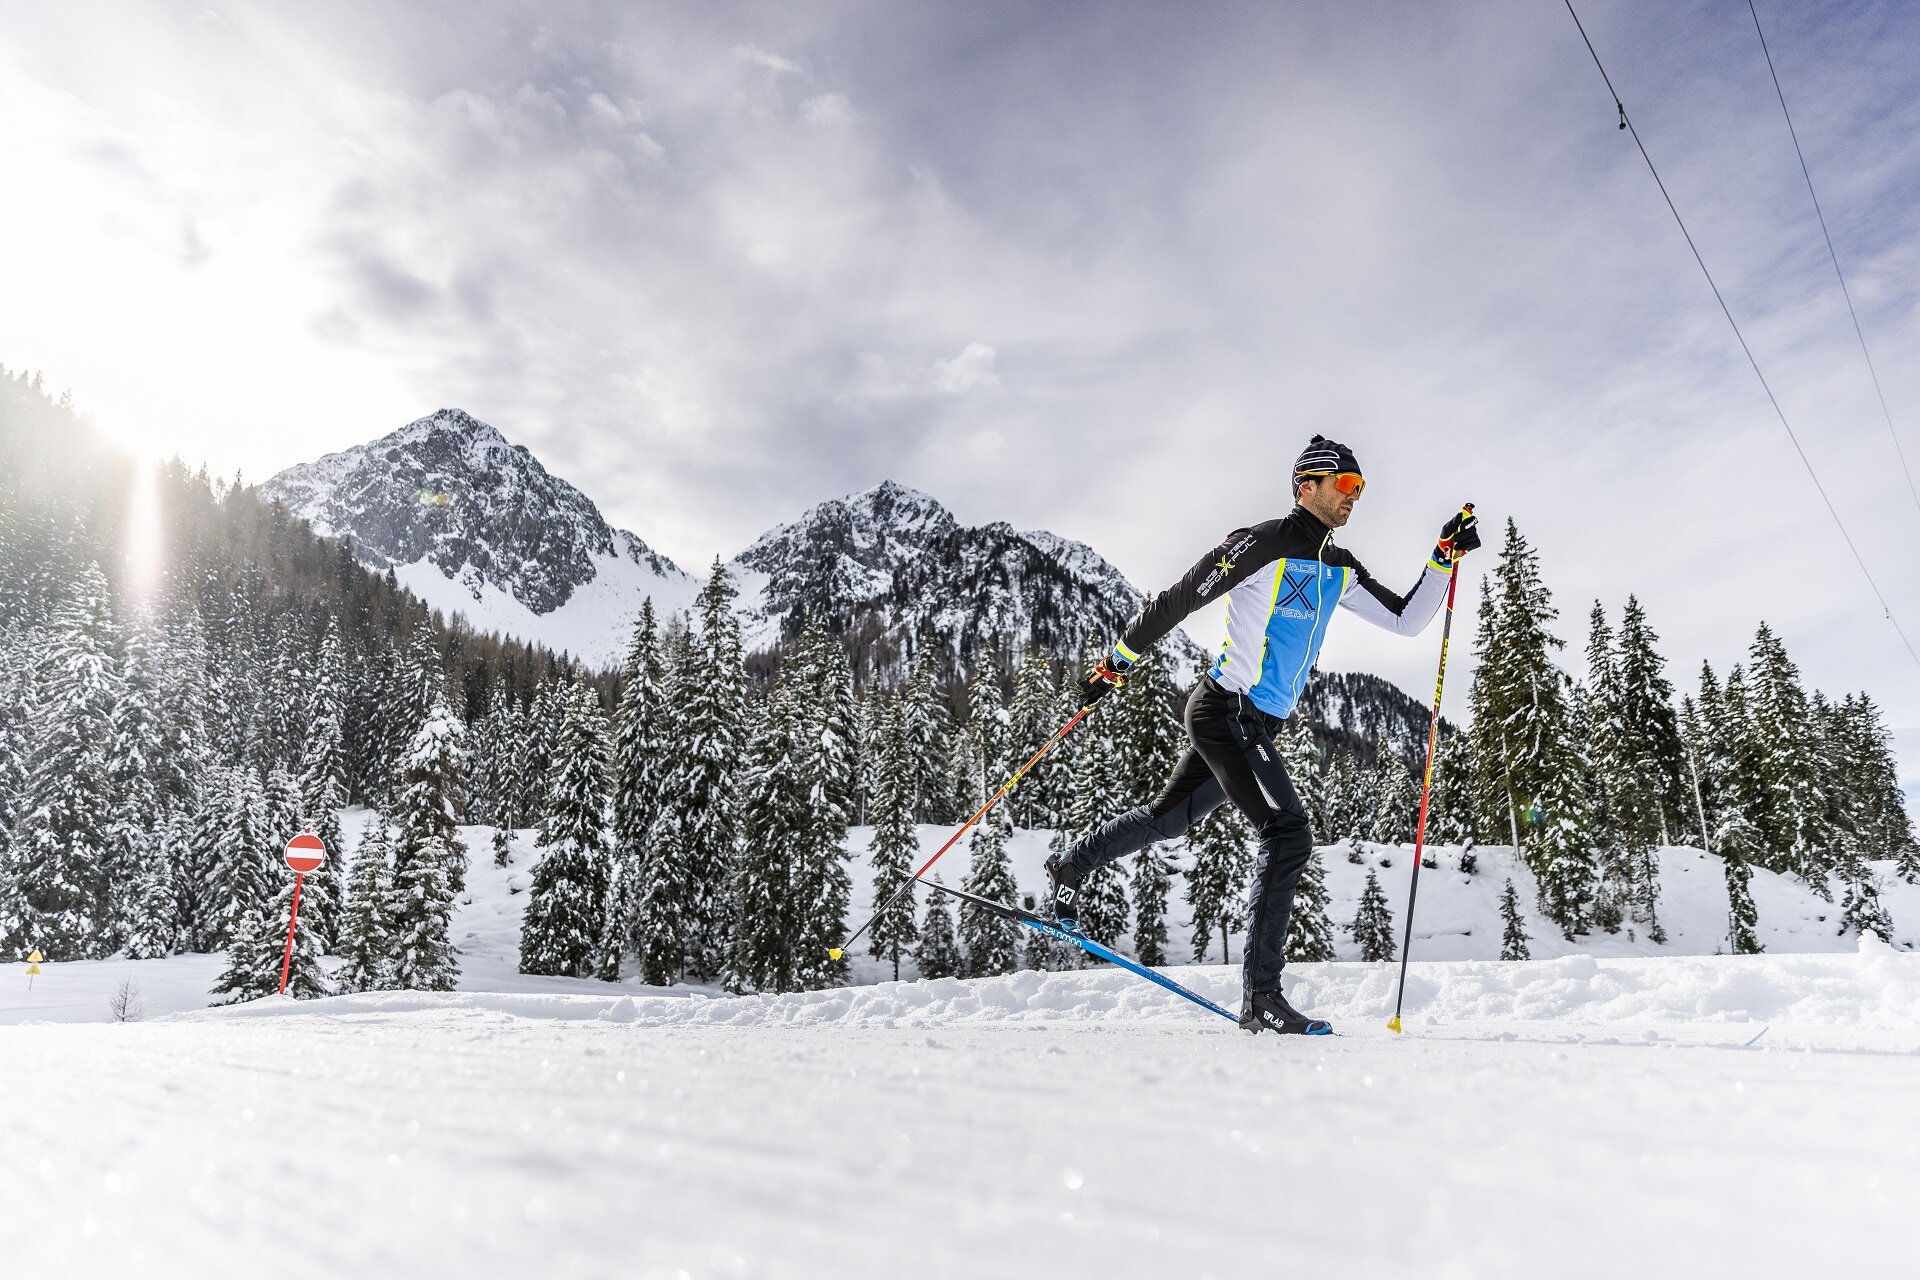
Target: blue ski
point(1086, 944)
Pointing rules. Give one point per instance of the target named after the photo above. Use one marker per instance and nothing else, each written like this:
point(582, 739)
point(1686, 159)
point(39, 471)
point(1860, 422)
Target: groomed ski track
point(1553, 1118)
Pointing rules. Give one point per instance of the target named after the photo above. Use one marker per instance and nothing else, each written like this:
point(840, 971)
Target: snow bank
point(1877, 989)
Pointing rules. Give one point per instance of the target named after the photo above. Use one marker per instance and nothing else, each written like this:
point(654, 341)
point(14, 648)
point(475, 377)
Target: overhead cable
point(1626, 122)
point(1844, 291)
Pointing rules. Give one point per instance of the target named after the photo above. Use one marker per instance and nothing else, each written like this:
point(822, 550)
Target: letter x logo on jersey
point(1224, 565)
point(1296, 594)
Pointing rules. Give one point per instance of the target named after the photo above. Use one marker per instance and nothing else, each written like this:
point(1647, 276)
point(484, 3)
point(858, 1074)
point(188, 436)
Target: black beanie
point(1324, 457)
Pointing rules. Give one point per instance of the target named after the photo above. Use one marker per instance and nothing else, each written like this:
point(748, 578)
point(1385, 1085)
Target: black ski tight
point(1232, 757)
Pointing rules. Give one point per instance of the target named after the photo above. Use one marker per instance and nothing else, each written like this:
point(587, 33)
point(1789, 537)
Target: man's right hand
point(1104, 680)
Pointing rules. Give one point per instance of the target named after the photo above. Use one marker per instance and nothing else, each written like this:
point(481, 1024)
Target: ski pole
point(1426, 787)
point(841, 950)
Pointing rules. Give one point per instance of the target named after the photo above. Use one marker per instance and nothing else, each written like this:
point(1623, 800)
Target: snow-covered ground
point(1598, 1114)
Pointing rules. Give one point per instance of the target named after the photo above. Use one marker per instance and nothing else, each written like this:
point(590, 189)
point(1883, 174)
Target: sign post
point(305, 852)
point(33, 966)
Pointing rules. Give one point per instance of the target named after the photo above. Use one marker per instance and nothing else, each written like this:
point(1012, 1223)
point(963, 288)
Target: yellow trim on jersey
point(1120, 648)
point(1273, 602)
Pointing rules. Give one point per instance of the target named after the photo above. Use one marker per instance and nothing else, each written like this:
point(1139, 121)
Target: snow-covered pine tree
point(247, 978)
point(703, 782)
point(1300, 753)
point(16, 707)
point(419, 915)
point(63, 836)
point(1143, 723)
point(431, 793)
point(988, 731)
point(896, 844)
point(929, 727)
point(774, 821)
point(364, 940)
point(1373, 924)
point(1496, 814)
point(833, 730)
point(1147, 740)
point(1152, 882)
point(1651, 731)
point(661, 931)
point(1873, 805)
point(1348, 800)
point(139, 823)
point(938, 954)
point(1097, 798)
point(1222, 848)
point(1513, 933)
point(818, 877)
point(796, 797)
point(153, 921)
point(1524, 735)
point(1860, 907)
point(566, 907)
point(323, 779)
point(1736, 838)
point(639, 749)
point(428, 861)
point(543, 720)
point(1608, 785)
point(242, 876)
point(1397, 806)
point(1791, 807)
point(1030, 723)
point(1560, 847)
point(1309, 929)
point(990, 940)
point(1450, 808)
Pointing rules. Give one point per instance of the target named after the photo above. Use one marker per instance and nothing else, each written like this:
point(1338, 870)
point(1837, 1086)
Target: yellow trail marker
point(34, 956)
point(33, 965)
point(1393, 1024)
point(835, 953)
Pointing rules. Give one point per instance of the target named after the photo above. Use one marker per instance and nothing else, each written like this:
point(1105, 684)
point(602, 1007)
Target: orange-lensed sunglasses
point(1347, 482)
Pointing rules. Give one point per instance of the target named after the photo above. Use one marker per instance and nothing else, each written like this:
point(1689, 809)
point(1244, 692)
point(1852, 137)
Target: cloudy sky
point(1094, 268)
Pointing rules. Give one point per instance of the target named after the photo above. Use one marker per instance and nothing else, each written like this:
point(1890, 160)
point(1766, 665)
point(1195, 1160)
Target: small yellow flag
point(34, 956)
point(32, 969)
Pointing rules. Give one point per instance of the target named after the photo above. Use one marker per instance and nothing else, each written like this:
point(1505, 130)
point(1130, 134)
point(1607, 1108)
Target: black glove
point(1105, 678)
point(1458, 536)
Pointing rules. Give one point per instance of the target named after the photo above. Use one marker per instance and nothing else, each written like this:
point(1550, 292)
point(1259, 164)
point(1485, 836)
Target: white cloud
point(828, 109)
point(771, 61)
point(971, 369)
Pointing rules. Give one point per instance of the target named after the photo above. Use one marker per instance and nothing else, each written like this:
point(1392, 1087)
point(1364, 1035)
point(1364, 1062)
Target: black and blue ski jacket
point(1281, 579)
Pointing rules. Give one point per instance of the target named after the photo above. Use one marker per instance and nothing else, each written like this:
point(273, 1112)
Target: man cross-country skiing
point(1281, 579)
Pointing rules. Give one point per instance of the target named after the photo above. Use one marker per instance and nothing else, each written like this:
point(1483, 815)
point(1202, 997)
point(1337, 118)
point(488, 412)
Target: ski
point(1042, 925)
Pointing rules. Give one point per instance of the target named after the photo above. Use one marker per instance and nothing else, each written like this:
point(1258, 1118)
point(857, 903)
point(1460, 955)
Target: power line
point(1844, 291)
point(1626, 123)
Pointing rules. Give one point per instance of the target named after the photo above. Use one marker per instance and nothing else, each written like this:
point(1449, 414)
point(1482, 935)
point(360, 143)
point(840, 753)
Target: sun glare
point(145, 548)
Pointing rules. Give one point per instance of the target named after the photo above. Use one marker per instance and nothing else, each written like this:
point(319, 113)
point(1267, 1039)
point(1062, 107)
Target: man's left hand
point(1458, 536)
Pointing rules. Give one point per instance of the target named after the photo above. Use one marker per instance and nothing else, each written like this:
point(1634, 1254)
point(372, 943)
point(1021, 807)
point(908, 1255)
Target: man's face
point(1326, 503)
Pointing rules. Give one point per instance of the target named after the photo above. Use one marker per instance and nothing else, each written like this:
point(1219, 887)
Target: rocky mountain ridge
point(474, 524)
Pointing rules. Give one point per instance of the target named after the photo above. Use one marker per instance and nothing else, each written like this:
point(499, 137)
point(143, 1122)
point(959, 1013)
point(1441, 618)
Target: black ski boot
point(1066, 891)
point(1269, 1011)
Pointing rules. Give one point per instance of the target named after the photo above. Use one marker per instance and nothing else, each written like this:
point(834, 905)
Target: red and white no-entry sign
point(305, 852)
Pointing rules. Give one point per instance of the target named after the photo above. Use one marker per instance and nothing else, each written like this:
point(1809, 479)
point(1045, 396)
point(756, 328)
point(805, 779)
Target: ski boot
point(1066, 891)
point(1269, 1011)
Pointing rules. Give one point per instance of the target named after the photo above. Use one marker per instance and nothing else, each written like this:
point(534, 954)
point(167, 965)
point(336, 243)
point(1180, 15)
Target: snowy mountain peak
point(890, 563)
point(472, 522)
